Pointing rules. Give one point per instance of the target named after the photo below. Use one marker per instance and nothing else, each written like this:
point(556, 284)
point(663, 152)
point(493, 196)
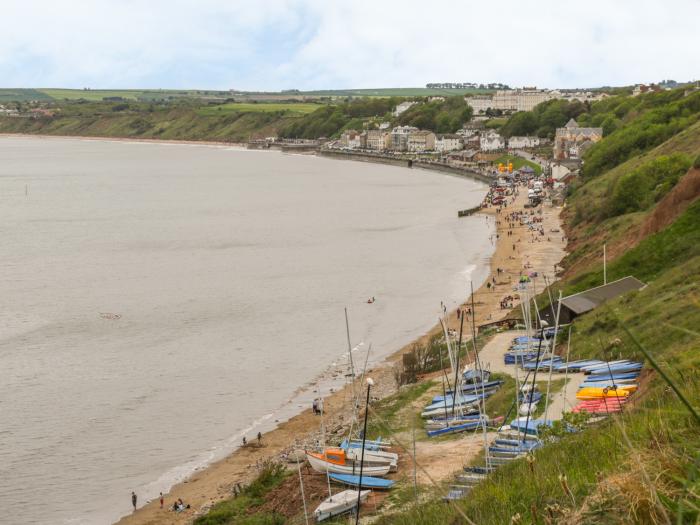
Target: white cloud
point(276, 44)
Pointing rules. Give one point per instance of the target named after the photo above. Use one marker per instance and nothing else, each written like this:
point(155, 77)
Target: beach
point(517, 254)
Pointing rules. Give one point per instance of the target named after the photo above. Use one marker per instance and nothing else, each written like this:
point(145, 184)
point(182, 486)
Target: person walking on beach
point(133, 499)
point(161, 500)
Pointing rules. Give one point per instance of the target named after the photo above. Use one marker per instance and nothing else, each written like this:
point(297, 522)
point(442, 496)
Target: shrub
point(641, 188)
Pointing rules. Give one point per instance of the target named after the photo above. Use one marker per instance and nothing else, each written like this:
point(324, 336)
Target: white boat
point(374, 457)
point(339, 503)
point(527, 408)
point(334, 461)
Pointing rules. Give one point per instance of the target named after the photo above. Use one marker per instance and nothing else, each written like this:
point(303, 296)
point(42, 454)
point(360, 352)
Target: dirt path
point(514, 254)
point(565, 399)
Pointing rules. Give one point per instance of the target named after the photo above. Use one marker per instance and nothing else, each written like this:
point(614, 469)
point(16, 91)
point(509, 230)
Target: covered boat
point(338, 504)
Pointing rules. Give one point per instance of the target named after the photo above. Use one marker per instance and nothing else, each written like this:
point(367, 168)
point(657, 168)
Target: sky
point(269, 45)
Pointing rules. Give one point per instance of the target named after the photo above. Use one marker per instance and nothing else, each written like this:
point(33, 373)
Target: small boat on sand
point(368, 482)
point(338, 504)
point(333, 460)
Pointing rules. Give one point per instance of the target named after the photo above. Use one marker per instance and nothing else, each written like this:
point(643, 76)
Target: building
point(523, 142)
point(510, 100)
point(352, 139)
point(377, 139)
point(399, 137)
point(491, 141)
point(571, 140)
point(641, 89)
point(577, 304)
point(449, 142)
point(400, 108)
point(436, 99)
point(479, 104)
point(419, 141)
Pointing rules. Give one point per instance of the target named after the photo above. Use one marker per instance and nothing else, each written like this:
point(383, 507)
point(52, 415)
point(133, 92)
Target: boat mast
point(362, 457)
point(566, 372)
point(551, 359)
point(303, 497)
point(477, 361)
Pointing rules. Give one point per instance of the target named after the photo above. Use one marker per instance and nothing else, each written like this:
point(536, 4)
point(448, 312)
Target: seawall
point(405, 163)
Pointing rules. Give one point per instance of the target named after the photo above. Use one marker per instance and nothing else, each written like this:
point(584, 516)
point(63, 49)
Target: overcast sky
point(323, 44)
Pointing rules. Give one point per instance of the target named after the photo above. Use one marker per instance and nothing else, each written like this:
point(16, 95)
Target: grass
point(394, 92)
point(130, 94)
point(21, 95)
point(289, 108)
point(238, 510)
point(148, 120)
point(518, 163)
point(394, 413)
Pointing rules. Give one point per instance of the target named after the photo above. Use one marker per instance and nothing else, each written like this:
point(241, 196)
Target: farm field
point(289, 108)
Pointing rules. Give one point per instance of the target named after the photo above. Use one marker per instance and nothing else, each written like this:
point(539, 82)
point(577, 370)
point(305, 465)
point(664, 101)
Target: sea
point(158, 302)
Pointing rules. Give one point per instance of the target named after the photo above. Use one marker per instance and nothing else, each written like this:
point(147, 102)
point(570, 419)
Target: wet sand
point(515, 254)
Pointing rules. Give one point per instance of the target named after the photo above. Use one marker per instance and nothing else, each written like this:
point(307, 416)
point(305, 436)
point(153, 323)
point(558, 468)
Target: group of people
point(507, 302)
point(178, 505)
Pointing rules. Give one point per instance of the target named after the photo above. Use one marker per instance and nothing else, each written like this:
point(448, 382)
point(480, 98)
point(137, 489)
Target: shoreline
point(240, 145)
point(215, 482)
point(353, 157)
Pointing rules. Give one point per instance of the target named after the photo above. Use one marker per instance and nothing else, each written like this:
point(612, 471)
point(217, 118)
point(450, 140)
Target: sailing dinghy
point(339, 503)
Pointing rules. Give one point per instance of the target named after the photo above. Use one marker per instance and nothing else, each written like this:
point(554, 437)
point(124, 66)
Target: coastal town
point(588, 201)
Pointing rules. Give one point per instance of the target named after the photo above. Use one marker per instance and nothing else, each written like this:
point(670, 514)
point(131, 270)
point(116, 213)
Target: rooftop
point(587, 300)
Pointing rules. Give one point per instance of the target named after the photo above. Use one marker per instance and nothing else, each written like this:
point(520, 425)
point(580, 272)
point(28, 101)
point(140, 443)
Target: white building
point(491, 141)
point(444, 143)
point(479, 104)
point(523, 142)
point(403, 107)
point(512, 99)
point(399, 137)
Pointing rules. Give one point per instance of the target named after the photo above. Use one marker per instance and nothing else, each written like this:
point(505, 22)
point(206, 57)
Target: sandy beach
point(515, 254)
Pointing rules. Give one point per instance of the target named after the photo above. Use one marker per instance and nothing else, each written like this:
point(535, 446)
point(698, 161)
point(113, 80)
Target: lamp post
point(362, 455)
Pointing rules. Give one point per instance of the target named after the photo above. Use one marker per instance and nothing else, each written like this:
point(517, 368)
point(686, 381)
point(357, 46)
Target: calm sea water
point(157, 302)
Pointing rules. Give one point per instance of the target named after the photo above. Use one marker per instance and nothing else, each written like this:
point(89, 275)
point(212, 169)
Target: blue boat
point(531, 397)
point(471, 425)
point(531, 427)
point(368, 482)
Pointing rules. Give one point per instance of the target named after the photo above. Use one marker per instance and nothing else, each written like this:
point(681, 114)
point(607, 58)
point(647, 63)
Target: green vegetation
point(395, 92)
point(328, 121)
point(670, 247)
point(238, 510)
point(643, 466)
point(645, 122)
point(170, 121)
point(264, 107)
point(394, 413)
point(544, 119)
point(439, 116)
point(518, 162)
point(641, 188)
point(21, 95)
